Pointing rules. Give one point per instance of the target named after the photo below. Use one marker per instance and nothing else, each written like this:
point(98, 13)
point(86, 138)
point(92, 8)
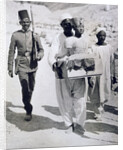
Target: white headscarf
point(65, 16)
point(100, 29)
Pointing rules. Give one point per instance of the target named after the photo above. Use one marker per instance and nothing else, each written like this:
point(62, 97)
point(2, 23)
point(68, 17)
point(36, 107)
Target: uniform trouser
point(72, 96)
point(27, 81)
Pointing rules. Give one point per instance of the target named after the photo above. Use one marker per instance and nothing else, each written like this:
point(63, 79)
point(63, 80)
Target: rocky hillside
point(53, 6)
point(46, 17)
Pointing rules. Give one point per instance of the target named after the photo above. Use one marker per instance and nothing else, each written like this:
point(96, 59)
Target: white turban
point(100, 29)
point(65, 16)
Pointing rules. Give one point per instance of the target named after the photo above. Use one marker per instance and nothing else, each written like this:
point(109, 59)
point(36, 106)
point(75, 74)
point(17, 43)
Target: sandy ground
point(46, 129)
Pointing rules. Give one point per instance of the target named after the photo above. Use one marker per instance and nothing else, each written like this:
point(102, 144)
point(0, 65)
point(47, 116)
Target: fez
point(23, 14)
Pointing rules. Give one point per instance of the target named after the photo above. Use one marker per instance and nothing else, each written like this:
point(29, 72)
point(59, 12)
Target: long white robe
point(105, 52)
point(71, 94)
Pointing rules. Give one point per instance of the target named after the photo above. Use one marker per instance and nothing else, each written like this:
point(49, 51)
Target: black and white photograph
point(61, 74)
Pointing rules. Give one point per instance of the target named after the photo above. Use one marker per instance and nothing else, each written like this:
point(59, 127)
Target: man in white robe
point(102, 84)
point(70, 92)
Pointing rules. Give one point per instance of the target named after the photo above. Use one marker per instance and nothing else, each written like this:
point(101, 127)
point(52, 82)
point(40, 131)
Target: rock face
point(46, 15)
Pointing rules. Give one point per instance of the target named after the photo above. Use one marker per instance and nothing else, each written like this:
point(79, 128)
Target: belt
point(27, 54)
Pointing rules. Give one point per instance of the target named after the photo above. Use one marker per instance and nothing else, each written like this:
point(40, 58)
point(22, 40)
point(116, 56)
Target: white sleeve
point(53, 51)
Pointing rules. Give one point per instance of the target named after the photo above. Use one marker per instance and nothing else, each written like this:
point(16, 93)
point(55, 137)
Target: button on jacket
point(23, 42)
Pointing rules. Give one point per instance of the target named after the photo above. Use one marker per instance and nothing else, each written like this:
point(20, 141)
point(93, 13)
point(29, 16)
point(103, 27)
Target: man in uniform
point(29, 51)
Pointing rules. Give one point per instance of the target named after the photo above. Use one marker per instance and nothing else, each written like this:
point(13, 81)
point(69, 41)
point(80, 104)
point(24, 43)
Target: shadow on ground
point(91, 126)
point(42, 123)
point(107, 108)
point(37, 122)
point(100, 127)
point(111, 109)
point(53, 110)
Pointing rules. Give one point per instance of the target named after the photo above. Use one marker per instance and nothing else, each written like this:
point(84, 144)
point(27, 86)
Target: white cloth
point(105, 52)
point(71, 94)
point(65, 16)
point(68, 103)
point(77, 45)
point(100, 29)
point(57, 47)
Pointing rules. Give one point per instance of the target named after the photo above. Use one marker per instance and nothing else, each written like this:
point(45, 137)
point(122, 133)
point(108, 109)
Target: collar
point(25, 31)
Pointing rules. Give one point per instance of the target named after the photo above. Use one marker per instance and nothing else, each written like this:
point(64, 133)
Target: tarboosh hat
point(23, 14)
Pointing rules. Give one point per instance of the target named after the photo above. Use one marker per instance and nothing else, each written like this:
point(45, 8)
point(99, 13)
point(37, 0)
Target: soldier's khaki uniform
point(24, 67)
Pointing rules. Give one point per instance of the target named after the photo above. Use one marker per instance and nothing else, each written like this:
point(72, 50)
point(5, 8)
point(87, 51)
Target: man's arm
point(53, 52)
point(40, 50)
point(11, 54)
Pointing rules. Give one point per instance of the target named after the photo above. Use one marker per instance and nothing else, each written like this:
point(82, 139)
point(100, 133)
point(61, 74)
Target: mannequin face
point(78, 26)
point(79, 30)
point(25, 23)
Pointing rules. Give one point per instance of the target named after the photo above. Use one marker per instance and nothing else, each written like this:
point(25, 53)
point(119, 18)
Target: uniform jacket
point(22, 41)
